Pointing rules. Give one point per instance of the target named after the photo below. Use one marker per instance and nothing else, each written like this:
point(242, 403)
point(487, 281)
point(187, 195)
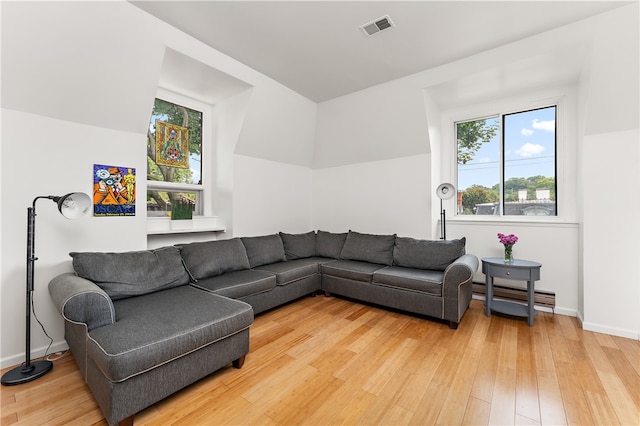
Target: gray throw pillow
point(134, 273)
point(369, 248)
point(427, 254)
point(299, 246)
point(329, 244)
point(212, 258)
point(264, 250)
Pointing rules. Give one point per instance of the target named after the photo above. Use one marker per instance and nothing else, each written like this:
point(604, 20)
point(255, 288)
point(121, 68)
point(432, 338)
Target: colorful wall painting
point(172, 145)
point(114, 191)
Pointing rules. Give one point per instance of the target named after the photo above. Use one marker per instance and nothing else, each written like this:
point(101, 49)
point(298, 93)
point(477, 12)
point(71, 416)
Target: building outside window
point(506, 164)
point(174, 159)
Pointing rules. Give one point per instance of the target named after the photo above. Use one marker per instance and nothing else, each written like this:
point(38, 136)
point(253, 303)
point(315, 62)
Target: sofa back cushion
point(299, 246)
point(264, 250)
point(134, 273)
point(368, 248)
point(329, 244)
point(213, 258)
point(427, 254)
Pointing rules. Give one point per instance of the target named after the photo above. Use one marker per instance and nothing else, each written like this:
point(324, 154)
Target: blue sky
point(529, 150)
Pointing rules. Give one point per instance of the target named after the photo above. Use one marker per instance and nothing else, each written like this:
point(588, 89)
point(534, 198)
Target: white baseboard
point(620, 332)
point(36, 354)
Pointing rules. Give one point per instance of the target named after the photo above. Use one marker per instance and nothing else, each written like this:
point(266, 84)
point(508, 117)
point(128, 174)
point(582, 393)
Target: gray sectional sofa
point(143, 325)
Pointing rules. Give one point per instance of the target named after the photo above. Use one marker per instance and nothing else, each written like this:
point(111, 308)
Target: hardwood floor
point(332, 361)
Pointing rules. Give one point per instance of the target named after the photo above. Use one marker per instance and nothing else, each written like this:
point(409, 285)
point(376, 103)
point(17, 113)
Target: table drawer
point(514, 273)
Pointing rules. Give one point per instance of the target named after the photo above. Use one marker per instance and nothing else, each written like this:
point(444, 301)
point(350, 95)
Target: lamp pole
point(29, 370)
point(71, 206)
point(443, 226)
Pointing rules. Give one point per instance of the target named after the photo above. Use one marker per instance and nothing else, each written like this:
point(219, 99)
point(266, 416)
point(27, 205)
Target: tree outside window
point(167, 183)
point(507, 164)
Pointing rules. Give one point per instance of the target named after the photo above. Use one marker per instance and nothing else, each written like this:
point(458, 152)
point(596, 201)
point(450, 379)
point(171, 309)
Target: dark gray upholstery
point(329, 244)
point(350, 269)
point(282, 294)
point(368, 248)
point(212, 258)
point(133, 273)
point(410, 279)
point(427, 254)
point(171, 329)
point(121, 400)
point(299, 246)
point(238, 284)
point(292, 270)
point(264, 250)
point(80, 300)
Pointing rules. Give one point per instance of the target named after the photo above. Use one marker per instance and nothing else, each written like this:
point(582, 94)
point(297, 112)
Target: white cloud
point(530, 149)
point(547, 126)
point(526, 132)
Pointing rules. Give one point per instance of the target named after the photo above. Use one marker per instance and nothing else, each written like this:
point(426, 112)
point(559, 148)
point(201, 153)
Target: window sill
point(517, 220)
point(164, 225)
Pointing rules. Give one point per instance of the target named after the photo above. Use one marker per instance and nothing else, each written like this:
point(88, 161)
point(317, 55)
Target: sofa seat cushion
point(157, 328)
point(238, 284)
point(292, 270)
point(420, 280)
point(350, 269)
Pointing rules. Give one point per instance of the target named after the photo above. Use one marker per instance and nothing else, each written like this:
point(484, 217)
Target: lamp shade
point(445, 191)
point(74, 205)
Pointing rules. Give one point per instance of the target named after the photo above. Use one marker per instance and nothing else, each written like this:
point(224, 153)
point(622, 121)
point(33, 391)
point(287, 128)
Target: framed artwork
point(172, 145)
point(114, 190)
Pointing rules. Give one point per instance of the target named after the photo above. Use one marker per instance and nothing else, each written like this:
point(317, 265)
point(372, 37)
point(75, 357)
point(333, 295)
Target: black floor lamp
point(444, 192)
point(71, 206)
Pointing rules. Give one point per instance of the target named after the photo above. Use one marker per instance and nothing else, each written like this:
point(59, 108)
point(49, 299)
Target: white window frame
point(203, 191)
point(565, 99)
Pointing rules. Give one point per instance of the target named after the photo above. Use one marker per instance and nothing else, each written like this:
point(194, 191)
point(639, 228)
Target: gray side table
point(519, 270)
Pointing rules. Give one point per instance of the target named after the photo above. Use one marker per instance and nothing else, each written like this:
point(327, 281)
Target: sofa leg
point(453, 325)
point(127, 422)
point(238, 363)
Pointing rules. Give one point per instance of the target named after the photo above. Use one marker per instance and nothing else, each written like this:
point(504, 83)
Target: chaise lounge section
point(143, 325)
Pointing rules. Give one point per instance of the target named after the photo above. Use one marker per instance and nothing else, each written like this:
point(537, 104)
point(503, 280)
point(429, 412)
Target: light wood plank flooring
point(331, 361)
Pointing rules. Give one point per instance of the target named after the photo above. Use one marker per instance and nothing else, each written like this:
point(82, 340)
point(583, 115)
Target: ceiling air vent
point(377, 25)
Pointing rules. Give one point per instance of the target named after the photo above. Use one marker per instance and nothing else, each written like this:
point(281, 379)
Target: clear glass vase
point(508, 253)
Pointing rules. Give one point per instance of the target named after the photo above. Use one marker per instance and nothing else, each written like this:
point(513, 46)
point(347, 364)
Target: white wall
point(384, 197)
point(269, 197)
point(611, 233)
point(609, 194)
point(46, 156)
point(383, 122)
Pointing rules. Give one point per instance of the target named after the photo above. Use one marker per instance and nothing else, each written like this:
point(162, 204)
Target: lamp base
point(21, 374)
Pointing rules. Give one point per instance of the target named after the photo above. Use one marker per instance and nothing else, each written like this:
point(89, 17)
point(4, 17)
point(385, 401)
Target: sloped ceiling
point(86, 62)
point(317, 48)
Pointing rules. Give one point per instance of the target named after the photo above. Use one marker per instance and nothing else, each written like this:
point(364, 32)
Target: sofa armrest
point(458, 273)
point(457, 289)
point(81, 301)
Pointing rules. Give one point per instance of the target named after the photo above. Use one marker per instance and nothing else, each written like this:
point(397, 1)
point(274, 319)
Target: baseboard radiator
point(542, 298)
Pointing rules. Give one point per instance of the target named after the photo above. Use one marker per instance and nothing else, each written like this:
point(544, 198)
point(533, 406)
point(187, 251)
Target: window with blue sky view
point(507, 164)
